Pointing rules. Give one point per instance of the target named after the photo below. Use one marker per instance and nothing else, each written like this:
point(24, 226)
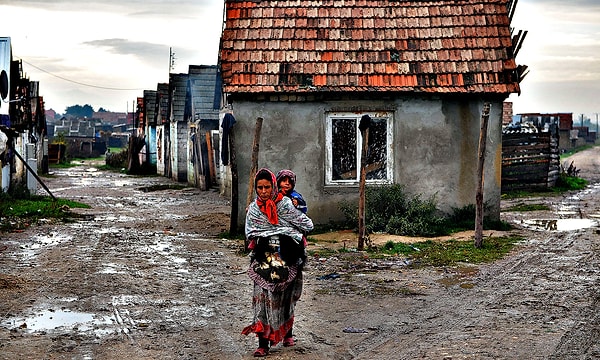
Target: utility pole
point(171, 59)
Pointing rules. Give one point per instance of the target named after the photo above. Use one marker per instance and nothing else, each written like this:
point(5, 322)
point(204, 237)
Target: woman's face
point(285, 185)
point(264, 188)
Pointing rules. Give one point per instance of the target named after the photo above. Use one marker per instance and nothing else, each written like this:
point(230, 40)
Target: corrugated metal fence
point(530, 161)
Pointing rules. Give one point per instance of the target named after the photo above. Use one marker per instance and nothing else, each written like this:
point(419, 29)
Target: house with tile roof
point(421, 71)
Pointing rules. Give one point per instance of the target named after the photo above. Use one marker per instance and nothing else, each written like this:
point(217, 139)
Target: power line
point(77, 82)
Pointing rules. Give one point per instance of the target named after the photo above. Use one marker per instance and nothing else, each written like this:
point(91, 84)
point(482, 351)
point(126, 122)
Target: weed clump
point(569, 179)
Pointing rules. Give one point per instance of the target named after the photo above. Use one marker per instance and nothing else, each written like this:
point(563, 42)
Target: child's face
point(285, 185)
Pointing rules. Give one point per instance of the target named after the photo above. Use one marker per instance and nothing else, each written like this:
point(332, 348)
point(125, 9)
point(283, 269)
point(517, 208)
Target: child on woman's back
point(286, 182)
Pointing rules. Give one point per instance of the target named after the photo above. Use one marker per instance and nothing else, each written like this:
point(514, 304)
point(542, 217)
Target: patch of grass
point(528, 207)
point(567, 183)
point(106, 167)
point(520, 194)
point(63, 165)
point(570, 152)
point(114, 150)
point(452, 252)
point(16, 212)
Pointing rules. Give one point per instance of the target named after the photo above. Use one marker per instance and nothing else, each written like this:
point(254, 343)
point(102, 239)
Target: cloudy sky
point(105, 53)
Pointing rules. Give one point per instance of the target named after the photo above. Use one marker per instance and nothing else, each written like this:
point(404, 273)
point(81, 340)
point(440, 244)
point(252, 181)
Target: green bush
point(389, 209)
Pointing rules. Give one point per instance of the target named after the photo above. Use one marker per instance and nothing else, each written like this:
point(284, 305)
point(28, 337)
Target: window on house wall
point(344, 147)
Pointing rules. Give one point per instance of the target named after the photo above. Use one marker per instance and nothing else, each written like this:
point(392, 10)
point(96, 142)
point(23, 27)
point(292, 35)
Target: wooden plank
point(211, 161)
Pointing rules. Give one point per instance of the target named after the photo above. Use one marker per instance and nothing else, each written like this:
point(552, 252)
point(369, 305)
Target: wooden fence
point(530, 161)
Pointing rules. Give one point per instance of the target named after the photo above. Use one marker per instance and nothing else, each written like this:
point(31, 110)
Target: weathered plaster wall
point(435, 150)
point(179, 150)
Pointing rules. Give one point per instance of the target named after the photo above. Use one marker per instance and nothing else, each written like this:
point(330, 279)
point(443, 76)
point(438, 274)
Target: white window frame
point(389, 116)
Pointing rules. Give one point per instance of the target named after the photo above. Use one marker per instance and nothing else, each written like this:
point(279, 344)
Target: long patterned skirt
point(274, 309)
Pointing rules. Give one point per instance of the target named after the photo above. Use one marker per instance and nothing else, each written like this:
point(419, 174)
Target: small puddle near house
point(42, 241)
point(560, 224)
point(463, 274)
point(52, 319)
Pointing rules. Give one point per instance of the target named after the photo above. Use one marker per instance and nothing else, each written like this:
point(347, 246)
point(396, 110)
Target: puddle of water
point(105, 230)
point(567, 210)
point(121, 183)
point(460, 279)
point(40, 241)
point(161, 247)
point(120, 218)
point(112, 268)
point(55, 319)
point(49, 240)
point(561, 224)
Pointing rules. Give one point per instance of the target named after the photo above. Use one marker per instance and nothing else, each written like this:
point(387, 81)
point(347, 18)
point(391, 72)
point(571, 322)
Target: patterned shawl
point(291, 221)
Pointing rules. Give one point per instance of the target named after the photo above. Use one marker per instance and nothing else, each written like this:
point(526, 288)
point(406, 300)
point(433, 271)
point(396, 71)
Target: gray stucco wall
point(435, 145)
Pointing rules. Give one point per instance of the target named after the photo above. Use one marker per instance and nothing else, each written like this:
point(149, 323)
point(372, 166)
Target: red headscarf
point(269, 206)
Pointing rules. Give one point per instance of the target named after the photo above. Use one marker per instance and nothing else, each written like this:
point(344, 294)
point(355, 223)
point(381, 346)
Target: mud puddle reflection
point(560, 224)
point(60, 319)
point(572, 214)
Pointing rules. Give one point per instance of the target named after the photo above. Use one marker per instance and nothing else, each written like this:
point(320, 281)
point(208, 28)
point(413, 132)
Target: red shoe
point(260, 352)
point(289, 341)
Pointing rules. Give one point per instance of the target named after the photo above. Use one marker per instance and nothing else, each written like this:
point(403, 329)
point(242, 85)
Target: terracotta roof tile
point(445, 46)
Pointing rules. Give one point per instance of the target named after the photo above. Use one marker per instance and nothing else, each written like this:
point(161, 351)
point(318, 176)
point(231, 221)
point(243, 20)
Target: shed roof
point(178, 88)
point(295, 46)
point(205, 95)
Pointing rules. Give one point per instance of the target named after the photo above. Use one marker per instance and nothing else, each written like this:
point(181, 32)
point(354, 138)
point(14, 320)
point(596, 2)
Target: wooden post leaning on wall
point(233, 218)
point(254, 161)
point(485, 115)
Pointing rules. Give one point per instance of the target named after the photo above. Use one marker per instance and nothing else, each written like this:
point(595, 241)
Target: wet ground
point(144, 274)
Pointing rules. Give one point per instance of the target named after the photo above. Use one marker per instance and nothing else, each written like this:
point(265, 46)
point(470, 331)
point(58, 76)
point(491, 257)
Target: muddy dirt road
point(144, 275)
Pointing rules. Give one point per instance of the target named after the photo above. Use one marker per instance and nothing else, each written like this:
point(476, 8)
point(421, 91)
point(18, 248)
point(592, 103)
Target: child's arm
point(299, 201)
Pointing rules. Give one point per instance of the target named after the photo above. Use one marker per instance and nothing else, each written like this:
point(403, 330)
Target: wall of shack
point(435, 149)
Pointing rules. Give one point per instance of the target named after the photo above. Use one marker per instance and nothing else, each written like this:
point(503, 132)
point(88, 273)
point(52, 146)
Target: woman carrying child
point(275, 229)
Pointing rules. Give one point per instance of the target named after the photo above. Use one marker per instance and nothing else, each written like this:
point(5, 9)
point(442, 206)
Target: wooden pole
point(33, 173)
point(233, 218)
point(211, 160)
point(365, 122)
point(254, 161)
point(485, 115)
point(199, 164)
